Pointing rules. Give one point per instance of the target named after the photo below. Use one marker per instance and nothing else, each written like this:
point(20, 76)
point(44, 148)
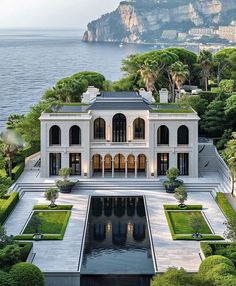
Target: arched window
point(163, 135)
point(139, 128)
point(75, 135)
point(183, 135)
point(55, 135)
point(119, 128)
point(99, 128)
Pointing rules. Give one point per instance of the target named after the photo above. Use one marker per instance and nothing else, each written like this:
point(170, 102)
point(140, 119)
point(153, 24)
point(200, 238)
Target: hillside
point(140, 21)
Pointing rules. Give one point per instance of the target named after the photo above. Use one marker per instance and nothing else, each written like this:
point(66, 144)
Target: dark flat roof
point(119, 94)
point(140, 105)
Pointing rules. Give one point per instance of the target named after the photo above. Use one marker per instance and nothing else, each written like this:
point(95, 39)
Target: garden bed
point(179, 222)
point(53, 225)
point(57, 208)
point(7, 205)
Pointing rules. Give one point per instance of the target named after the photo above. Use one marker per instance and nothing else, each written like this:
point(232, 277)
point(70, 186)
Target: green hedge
point(30, 150)
point(225, 206)
point(7, 205)
point(57, 208)
point(47, 236)
point(189, 236)
point(209, 248)
point(18, 170)
point(25, 248)
point(208, 95)
point(176, 207)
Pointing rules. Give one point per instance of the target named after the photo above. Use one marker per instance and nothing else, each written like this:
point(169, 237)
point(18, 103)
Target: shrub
point(172, 174)
point(225, 206)
point(208, 95)
point(213, 261)
point(206, 249)
point(27, 274)
point(6, 279)
point(188, 207)
point(51, 195)
point(9, 255)
point(173, 277)
point(221, 269)
point(181, 195)
point(25, 248)
point(18, 170)
point(7, 206)
point(57, 208)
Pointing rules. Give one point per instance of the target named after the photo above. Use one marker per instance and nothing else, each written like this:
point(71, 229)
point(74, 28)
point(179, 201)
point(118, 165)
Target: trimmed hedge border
point(57, 208)
point(189, 236)
point(18, 170)
point(7, 207)
point(176, 207)
point(209, 248)
point(25, 248)
point(225, 206)
point(47, 236)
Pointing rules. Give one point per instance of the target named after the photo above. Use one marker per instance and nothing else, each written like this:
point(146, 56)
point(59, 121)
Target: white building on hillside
point(119, 134)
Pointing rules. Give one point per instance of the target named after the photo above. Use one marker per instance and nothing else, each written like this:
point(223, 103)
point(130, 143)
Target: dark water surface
point(33, 60)
point(117, 241)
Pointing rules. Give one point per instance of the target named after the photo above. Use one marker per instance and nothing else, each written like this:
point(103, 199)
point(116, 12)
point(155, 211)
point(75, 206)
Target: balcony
point(128, 144)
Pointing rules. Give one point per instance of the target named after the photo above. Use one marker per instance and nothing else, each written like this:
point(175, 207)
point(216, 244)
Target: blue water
point(33, 60)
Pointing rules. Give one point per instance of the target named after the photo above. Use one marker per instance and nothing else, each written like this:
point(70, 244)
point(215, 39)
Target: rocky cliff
point(138, 21)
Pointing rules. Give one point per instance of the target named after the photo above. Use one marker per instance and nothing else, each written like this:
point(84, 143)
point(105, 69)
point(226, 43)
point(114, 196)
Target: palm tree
point(230, 152)
point(206, 62)
point(149, 73)
point(178, 73)
point(10, 143)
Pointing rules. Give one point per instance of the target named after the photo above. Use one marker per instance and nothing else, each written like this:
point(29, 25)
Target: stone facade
point(120, 134)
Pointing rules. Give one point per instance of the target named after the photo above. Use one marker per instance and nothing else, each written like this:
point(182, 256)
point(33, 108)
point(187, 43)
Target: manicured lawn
point(181, 222)
point(51, 222)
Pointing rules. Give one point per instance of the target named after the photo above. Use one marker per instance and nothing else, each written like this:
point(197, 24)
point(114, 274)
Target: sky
point(52, 13)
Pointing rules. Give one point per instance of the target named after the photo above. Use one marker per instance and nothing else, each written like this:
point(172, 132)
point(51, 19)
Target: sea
point(32, 61)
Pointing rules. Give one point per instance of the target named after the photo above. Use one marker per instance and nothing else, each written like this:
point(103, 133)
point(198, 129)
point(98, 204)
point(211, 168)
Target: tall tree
point(10, 142)
point(178, 73)
point(206, 62)
point(230, 154)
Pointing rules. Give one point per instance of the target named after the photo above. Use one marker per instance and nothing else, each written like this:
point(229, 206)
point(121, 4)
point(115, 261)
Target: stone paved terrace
point(64, 255)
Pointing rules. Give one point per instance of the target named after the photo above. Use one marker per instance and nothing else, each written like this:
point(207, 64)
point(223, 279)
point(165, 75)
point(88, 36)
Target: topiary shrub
point(222, 269)
point(224, 280)
point(6, 279)
point(213, 261)
point(27, 274)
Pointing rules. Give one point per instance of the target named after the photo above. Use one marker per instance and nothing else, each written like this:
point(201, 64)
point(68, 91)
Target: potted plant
point(51, 195)
point(172, 183)
point(196, 224)
point(65, 185)
point(181, 196)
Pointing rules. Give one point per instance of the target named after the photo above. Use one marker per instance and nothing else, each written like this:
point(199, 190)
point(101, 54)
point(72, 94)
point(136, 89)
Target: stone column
point(103, 171)
point(126, 168)
point(135, 168)
point(112, 168)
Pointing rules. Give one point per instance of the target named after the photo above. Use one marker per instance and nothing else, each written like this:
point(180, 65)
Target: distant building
point(200, 32)
point(228, 32)
point(169, 34)
point(182, 36)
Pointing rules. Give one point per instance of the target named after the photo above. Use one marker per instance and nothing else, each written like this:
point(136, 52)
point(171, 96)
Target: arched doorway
point(97, 164)
point(108, 165)
point(119, 128)
point(131, 165)
point(141, 165)
point(119, 164)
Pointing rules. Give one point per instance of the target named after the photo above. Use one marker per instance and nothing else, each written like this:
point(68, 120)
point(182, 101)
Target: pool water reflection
point(117, 239)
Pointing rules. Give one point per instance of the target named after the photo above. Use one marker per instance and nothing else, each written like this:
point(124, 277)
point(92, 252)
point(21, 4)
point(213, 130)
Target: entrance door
point(119, 163)
point(75, 163)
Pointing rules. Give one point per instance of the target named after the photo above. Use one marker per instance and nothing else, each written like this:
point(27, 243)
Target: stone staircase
point(140, 185)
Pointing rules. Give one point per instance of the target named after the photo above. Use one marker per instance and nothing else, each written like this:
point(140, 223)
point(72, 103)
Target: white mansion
point(119, 134)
